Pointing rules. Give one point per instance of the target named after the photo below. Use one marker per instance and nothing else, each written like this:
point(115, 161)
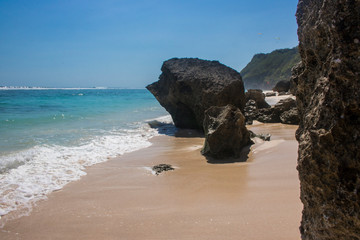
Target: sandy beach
point(122, 199)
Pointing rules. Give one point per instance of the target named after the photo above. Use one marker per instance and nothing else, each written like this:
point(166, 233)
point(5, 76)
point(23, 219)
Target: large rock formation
point(282, 86)
point(225, 132)
point(284, 111)
point(277, 113)
point(258, 96)
point(328, 99)
point(189, 86)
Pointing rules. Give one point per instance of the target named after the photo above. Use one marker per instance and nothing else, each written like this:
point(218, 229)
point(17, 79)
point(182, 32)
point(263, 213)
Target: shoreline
point(121, 199)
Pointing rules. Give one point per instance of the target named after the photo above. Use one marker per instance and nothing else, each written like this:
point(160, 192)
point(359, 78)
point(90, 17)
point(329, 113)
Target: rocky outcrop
point(282, 86)
point(189, 86)
point(285, 111)
point(284, 105)
point(328, 99)
point(295, 71)
point(157, 169)
point(250, 112)
point(290, 117)
point(258, 96)
point(283, 93)
point(270, 94)
point(263, 136)
point(225, 132)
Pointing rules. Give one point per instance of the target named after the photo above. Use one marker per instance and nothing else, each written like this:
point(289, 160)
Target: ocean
point(49, 136)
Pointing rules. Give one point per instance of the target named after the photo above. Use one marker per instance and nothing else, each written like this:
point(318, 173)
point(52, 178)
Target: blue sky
point(86, 43)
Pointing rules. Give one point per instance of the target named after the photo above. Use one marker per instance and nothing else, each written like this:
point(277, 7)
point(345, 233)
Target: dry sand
point(121, 199)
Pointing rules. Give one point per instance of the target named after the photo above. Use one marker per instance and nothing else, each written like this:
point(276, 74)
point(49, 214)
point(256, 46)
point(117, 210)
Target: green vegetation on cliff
point(265, 70)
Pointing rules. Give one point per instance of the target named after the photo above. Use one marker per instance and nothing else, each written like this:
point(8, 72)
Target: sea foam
point(30, 175)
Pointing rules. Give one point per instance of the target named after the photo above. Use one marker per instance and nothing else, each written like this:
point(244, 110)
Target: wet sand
point(122, 199)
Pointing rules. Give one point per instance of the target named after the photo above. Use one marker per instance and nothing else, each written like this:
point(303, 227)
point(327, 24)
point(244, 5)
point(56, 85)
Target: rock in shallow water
point(328, 98)
point(189, 86)
point(225, 133)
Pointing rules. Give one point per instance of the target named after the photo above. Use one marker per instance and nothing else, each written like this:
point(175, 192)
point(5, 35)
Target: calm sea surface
point(48, 137)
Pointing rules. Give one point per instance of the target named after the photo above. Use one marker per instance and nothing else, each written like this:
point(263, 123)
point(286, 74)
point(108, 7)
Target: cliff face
point(328, 99)
point(265, 70)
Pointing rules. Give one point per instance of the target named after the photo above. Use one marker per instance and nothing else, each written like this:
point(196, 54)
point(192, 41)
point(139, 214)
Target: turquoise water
point(67, 117)
point(48, 137)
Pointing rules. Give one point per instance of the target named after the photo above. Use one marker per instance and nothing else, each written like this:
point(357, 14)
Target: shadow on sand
point(169, 129)
point(244, 156)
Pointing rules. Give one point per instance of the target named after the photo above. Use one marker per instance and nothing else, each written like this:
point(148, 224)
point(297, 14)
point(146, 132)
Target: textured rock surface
point(328, 98)
point(290, 117)
point(225, 132)
point(250, 111)
point(189, 86)
point(284, 111)
point(295, 71)
point(282, 86)
point(284, 105)
point(162, 168)
point(258, 96)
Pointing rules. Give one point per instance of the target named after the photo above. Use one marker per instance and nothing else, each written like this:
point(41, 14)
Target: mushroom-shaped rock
point(189, 86)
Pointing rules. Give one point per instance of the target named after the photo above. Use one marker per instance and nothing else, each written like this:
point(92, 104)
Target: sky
point(123, 43)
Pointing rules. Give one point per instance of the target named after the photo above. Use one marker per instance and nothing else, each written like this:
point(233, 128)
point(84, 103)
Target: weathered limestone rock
point(328, 99)
point(284, 111)
point(225, 132)
point(189, 86)
point(267, 115)
point(258, 96)
point(250, 111)
point(282, 86)
point(284, 105)
point(290, 117)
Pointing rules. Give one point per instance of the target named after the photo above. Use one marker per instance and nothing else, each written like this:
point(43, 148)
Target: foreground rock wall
point(328, 98)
